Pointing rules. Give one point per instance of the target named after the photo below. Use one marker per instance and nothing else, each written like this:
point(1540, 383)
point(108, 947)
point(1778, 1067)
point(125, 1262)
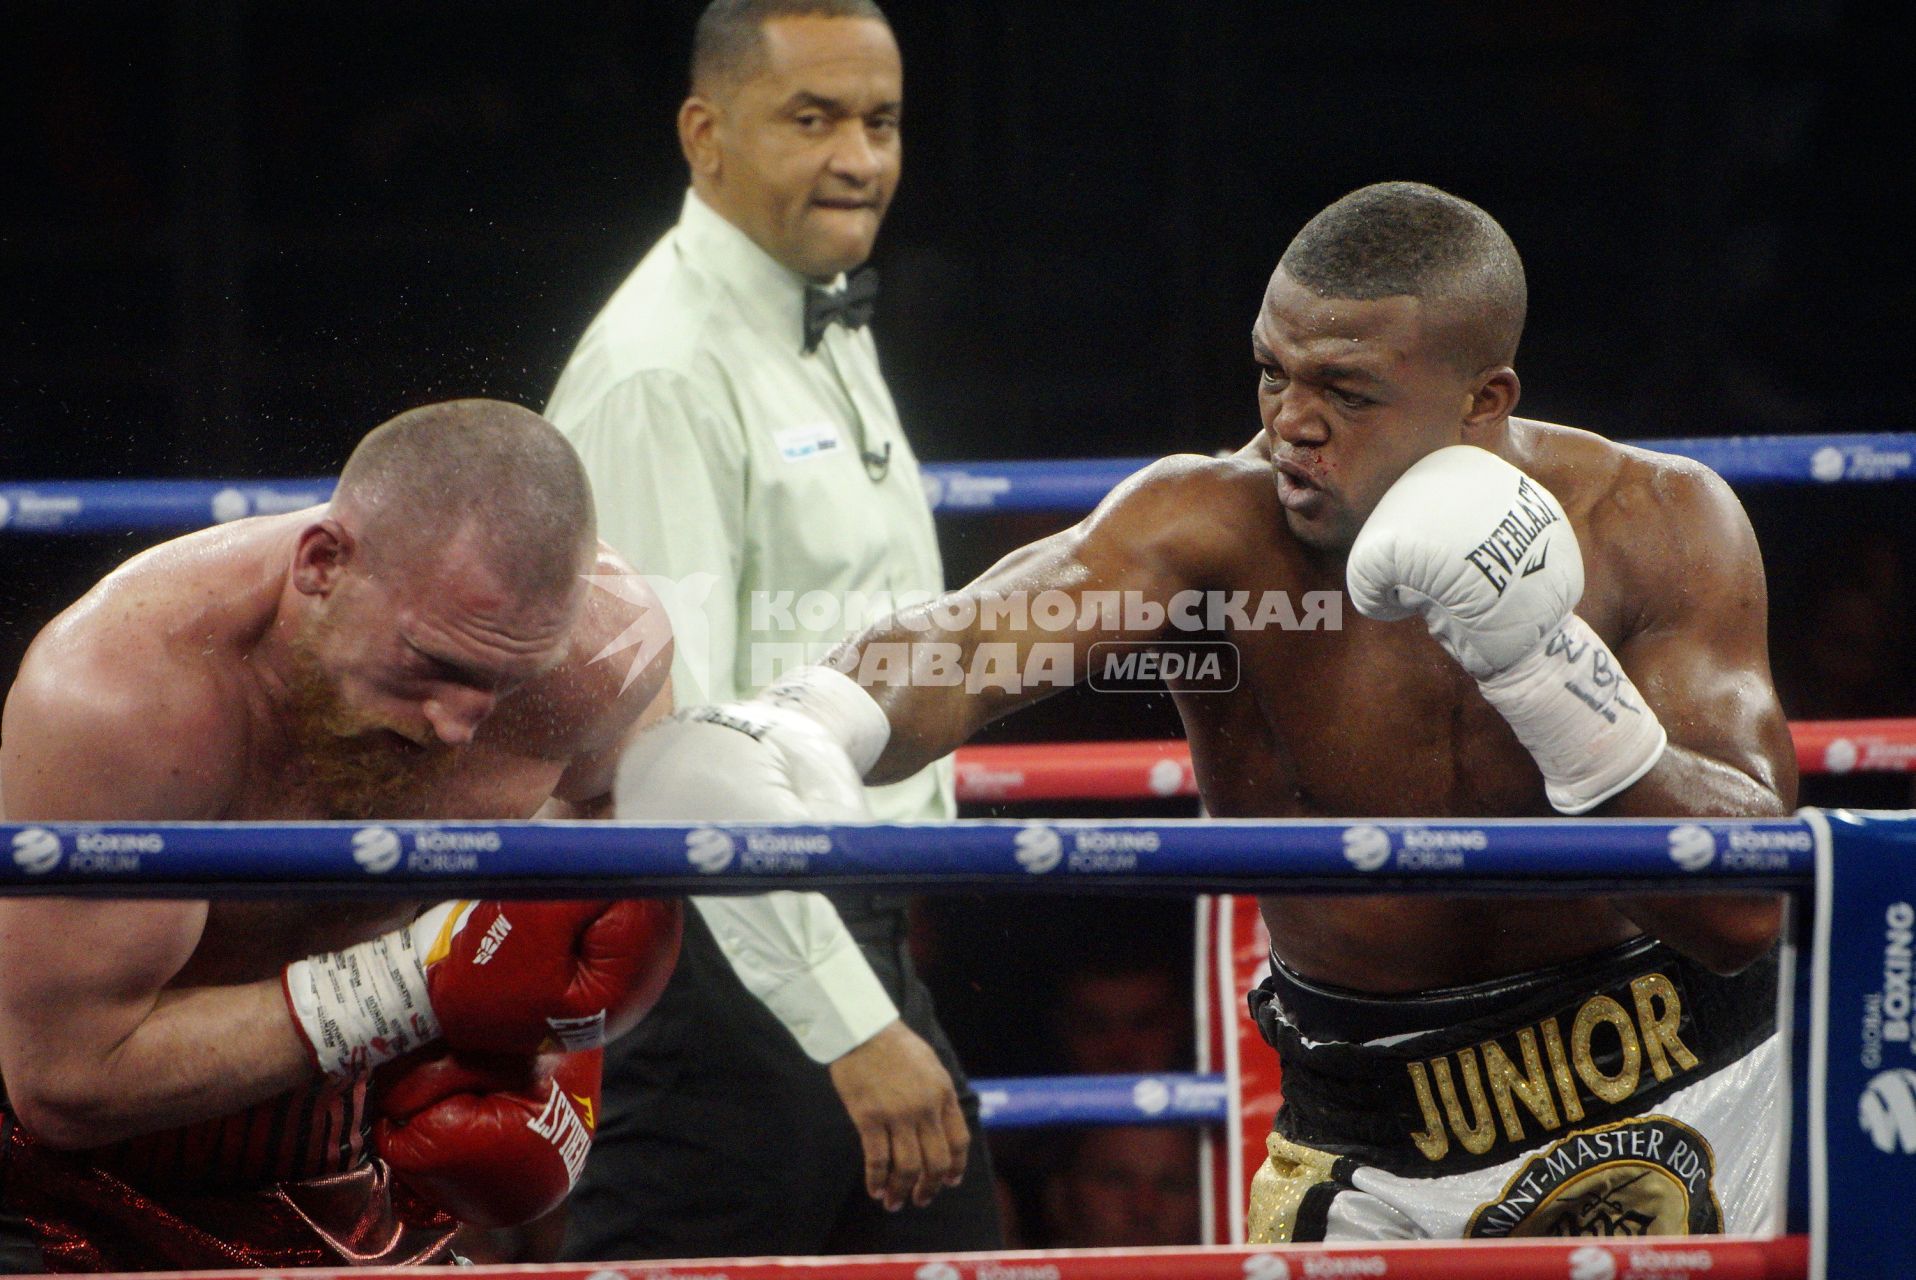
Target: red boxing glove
point(494, 1140)
point(489, 977)
point(527, 977)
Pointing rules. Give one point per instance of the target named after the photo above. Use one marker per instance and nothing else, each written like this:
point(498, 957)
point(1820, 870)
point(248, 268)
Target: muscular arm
point(94, 1044)
point(1698, 652)
point(1145, 542)
point(629, 629)
point(585, 789)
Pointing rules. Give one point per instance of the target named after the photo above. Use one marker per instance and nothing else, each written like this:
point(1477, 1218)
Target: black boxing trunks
point(1630, 1092)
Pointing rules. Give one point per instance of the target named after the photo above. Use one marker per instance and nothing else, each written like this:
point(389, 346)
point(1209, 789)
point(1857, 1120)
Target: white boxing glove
point(793, 754)
point(1485, 554)
point(797, 752)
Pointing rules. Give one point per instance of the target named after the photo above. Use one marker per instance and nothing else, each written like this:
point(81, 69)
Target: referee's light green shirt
point(726, 467)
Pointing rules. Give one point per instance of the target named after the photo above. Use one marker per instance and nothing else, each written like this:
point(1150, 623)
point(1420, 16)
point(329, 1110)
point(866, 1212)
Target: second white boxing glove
point(796, 752)
point(793, 754)
point(1485, 554)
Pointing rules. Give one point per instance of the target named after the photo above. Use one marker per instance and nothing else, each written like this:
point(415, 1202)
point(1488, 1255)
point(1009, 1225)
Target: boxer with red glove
point(488, 977)
point(494, 1140)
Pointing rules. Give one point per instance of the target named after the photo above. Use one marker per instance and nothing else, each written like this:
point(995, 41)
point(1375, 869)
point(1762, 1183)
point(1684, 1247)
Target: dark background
point(234, 236)
point(237, 234)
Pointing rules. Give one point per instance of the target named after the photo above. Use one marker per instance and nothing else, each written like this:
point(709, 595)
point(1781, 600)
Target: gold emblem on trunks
point(1650, 1176)
point(1540, 1070)
point(1279, 1187)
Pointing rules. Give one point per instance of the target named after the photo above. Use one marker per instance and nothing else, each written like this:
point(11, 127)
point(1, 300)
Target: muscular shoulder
point(115, 713)
point(1662, 526)
point(616, 663)
point(1196, 513)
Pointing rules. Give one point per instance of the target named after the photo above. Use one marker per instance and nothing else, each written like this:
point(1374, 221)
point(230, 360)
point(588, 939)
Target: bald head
point(1411, 240)
point(728, 45)
point(497, 473)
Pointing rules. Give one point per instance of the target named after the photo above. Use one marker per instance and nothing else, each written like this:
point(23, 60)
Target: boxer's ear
point(324, 550)
point(1492, 398)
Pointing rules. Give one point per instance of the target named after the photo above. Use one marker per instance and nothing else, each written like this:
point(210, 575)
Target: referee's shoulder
point(662, 319)
point(654, 335)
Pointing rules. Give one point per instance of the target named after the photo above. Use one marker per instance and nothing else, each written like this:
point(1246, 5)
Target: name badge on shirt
point(814, 440)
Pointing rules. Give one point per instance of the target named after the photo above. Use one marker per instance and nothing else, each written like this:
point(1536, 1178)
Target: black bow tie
point(852, 308)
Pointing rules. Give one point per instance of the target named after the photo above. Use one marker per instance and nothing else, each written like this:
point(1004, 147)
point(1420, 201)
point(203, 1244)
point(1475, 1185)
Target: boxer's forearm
point(931, 713)
point(1688, 784)
point(199, 1053)
point(1726, 932)
point(927, 725)
point(1024, 629)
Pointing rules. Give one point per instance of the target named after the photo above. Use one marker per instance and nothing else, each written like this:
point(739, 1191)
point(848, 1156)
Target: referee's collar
point(767, 289)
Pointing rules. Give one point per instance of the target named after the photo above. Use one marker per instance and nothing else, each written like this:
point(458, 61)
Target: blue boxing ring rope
point(955, 488)
point(1853, 1139)
point(1818, 856)
point(449, 859)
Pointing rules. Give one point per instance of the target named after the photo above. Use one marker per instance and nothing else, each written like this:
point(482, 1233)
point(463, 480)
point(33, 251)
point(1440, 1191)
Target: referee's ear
point(698, 136)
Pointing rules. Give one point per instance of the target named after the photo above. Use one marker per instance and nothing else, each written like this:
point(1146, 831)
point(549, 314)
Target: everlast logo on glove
point(569, 1133)
point(1498, 556)
point(495, 1140)
point(717, 716)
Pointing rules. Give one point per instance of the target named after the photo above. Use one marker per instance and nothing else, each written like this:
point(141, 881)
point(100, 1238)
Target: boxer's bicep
point(78, 978)
point(102, 1036)
point(64, 958)
point(1024, 628)
point(1698, 652)
point(1140, 543)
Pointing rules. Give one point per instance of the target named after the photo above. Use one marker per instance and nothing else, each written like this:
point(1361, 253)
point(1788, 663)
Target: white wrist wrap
point(1575, 710)
point(842, 706)
point(368, 1004)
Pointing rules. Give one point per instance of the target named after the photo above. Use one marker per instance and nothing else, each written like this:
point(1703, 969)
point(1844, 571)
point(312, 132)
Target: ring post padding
point(1862, 1056)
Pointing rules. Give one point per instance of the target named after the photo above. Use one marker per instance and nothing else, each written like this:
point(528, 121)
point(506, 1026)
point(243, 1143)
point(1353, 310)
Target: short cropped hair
point(502, 472)
point(730, 37)
point(1409, 239)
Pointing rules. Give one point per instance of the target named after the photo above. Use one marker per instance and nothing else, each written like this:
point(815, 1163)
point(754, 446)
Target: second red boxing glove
point(494, 1140)
point(584, 972)
point(487, 977)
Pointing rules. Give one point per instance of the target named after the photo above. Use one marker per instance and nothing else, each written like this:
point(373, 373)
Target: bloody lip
point(1297, 495)
point(1295, 488)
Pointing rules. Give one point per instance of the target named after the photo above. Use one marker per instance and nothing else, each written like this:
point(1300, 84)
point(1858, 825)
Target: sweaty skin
point(1374, 719)
point(170, 692)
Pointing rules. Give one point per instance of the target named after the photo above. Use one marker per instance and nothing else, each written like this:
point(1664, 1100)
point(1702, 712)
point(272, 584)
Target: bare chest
point(1376, 720)
point(1353, 718)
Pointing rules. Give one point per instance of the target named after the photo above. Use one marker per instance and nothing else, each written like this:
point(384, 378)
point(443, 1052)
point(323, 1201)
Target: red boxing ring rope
point(1147, 770)
point(1691, 1258)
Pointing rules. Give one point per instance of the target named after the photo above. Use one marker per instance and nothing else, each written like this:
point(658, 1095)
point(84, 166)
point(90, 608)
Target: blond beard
point(355, 767)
